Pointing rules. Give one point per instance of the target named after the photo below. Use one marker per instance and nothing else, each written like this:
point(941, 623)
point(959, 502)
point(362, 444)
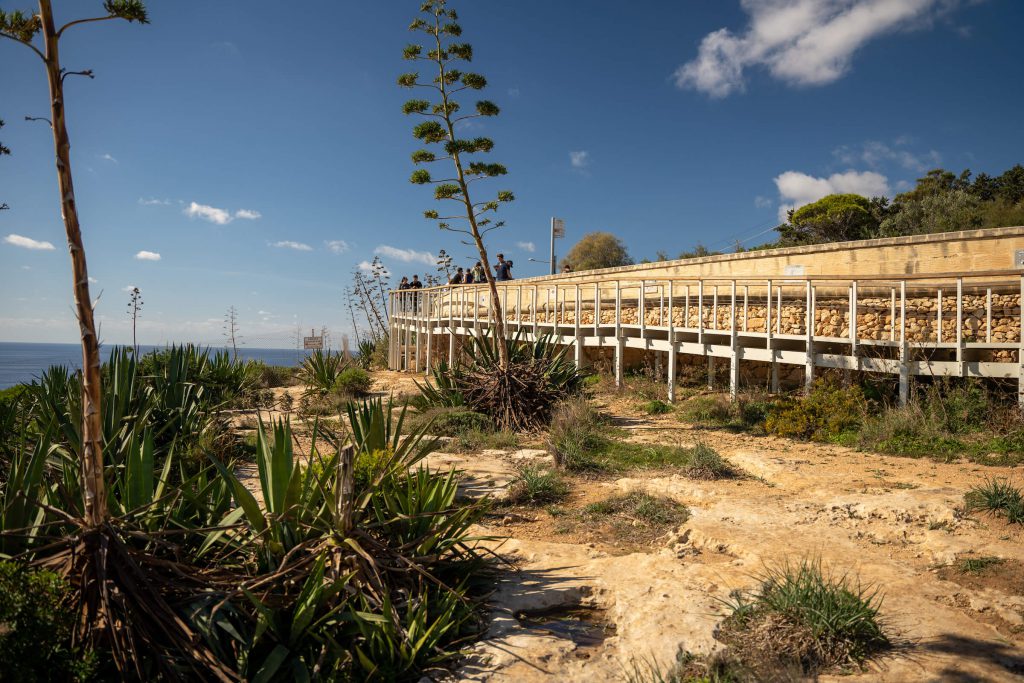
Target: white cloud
point(527, 246)
point(580, 159)
point(218, 216)
point(762, 202)
point(801, 42)
point(26, 267)
point(406, 255)
point(365, 266)
point(289, 244)
point(875, 154)
point(92, 280)
point(153, 201)
point(797, 189)
point(107, 157)
point(28, 243)
point(128, 288)
point(337, 246)
point(261, 312)
point(147, 256)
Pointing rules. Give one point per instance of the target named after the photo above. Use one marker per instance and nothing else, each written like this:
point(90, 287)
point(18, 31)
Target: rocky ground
point(582, 602)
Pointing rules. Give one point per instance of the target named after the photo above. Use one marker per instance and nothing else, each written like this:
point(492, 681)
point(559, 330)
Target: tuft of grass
point(536, 485)
point(997, 496)
point(479, 440)
point(576, 435)
point(976, 565)
point(803, 616)
point(707, 463)
point(656, 407)
point(642, 508)
point(447, 421)
point(688, 668)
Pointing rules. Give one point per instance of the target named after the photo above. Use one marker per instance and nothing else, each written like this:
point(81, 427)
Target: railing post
point(419, 333)
point(734, 357)
point(576, 329)
point(988, 315)
point(671, 389)
point(892, 314)
point(774, 376)
point(597, 309)
point(961, 365)
point(746, 301)
point(408, 333)
point(519, 306)
point(1020, 348)
point(938, 318)
point(904, 355)
point(641, 308)
point(619, 342)
point(809, 325)
point(430, 332)
point(534, 311)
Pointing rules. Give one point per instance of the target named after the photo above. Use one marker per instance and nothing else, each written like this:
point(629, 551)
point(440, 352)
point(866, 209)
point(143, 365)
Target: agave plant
point(520, 400)
point(320, 371)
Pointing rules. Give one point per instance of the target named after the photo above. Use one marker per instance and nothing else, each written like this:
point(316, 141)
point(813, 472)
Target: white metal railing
point(940, 324)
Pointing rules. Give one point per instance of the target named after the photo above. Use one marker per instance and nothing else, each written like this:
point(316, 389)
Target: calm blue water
point(23, 362)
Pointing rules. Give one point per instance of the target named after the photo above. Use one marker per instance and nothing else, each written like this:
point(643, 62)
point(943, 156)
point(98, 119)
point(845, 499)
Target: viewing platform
point(944, 305)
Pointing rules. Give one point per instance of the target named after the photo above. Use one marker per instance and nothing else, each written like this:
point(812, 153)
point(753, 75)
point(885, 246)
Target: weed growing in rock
point(656, 407)
point(479, 440)
point(576, 435)
point(641, 508)
point(998, 497)
point(801, 616)
point(976, 565)
point(536, 485)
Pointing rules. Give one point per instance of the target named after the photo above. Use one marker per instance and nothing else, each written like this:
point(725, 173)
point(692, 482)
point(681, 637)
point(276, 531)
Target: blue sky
point(253, 154)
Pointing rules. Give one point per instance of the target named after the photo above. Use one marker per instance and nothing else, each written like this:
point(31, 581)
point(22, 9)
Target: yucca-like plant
point(320, 371)
point(520, 400)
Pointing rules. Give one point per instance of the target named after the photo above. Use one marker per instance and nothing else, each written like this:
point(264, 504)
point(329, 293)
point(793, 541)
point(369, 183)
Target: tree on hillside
point(3, 151)
point(597, 250)
point(442, 118)
point(834, 218)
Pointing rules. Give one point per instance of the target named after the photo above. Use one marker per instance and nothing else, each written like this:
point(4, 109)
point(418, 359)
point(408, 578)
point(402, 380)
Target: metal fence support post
point(734, 357)
point(809, 324)
point(904, 351)
point(619, 342)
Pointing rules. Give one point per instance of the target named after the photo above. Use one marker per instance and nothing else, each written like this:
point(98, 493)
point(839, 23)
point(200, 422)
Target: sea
point(22, 362)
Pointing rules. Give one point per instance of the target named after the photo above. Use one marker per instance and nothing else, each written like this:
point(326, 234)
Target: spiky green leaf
point(423, 156)
point(415, 107)
point(474, 81)
point(408, 80)
point(446, 191)
point(129, 10)
point(420, 177)
point(19, 25)
point(429, 132)
point(487, 108)
point(412, 51)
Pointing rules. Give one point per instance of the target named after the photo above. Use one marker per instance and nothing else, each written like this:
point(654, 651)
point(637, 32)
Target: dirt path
point(896, 523)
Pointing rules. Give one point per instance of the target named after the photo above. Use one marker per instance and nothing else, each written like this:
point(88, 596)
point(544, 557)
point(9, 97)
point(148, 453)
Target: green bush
point(535, 485)
point(452, 421)
point(801, 616)
point(36, 627)
point(353, 381)
point(656, 407)
point(827, 413)
point(478, 440)
point(641, 507)
point(997, 496)
point(706, 410)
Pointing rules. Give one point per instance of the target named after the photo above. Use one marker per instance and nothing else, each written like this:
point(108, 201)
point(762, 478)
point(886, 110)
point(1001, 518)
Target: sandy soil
point(896, 523)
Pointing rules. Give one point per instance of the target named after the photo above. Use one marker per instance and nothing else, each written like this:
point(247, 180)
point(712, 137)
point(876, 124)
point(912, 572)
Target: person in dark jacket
point(458, 278)
point(502, 269)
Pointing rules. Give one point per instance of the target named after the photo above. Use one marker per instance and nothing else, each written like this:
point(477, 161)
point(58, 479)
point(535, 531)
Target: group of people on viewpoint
point(467, 276)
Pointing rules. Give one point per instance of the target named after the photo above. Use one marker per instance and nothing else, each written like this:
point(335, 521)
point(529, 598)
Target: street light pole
point(557, 230)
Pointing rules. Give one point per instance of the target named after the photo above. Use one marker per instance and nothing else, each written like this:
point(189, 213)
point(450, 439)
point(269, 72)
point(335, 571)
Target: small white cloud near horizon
point(92, 280)
point(406, 255)
point(26, 267)
point(797, 189)
point(365, 266)
point(337, 246)
point(800, 42)
point(108, 157)
point(291, 244)
point(147, 256)
point(580, 159)
point(28, 243)
point(762, 202)
point(218, 216)
point(153, 201)
point(527, 246)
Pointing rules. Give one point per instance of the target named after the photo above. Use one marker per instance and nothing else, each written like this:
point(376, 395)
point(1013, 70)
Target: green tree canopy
point(948, 211)
point(835, 218)
point(597, 250)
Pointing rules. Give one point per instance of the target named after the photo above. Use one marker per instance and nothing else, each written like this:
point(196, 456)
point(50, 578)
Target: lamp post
point(557, 230)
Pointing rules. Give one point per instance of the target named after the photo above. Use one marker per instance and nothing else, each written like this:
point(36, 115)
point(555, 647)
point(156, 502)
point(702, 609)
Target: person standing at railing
point(502, 269)
point(402, 286)
point(458, 278)
point(415, 285)
point(478, 273)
